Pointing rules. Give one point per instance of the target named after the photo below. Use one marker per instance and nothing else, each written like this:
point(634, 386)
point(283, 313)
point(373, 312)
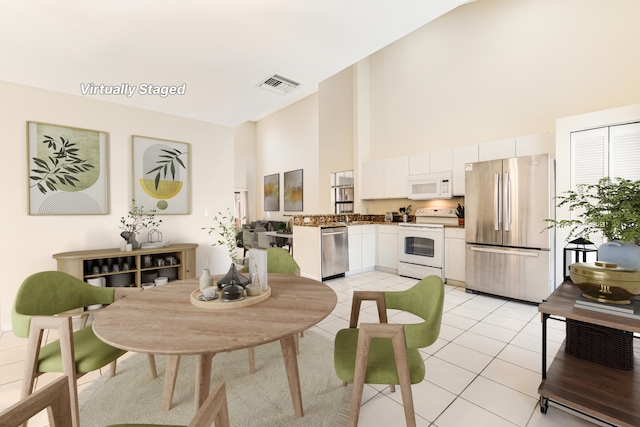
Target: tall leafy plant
point(610, 207)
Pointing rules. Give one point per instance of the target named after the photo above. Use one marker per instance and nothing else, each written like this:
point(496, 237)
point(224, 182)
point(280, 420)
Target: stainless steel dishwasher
point(335, 251)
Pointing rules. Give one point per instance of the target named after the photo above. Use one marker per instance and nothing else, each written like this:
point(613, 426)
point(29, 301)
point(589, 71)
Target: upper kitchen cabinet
point(419, 163)
point(441, 160)
point(493, 150)
point(541, 143)
point(386, 179)
point(462, 156)
point(373, 180)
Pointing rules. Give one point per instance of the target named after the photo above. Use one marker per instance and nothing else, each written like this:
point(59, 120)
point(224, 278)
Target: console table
point(608, 394)
point(81, 263)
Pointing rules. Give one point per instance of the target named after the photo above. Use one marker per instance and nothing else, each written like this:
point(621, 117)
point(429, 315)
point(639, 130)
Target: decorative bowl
point(606, 282)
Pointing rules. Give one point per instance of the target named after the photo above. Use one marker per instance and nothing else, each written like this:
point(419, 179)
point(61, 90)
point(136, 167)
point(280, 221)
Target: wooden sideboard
point(81, 264)
point(602, 392)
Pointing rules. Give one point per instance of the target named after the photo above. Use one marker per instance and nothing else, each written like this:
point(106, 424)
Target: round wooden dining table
point(163, 321)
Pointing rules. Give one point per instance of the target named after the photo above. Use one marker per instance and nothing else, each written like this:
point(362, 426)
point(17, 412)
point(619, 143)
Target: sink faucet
point(347, 218)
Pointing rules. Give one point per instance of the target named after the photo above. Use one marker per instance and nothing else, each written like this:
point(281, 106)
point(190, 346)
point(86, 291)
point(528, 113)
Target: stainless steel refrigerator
point(509, 252)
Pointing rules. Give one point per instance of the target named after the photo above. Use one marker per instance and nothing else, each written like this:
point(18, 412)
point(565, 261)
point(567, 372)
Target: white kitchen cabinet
point(441, 160)
point(387, 247)
point(307, 249)
point(454, 254)
point(355, 247)
point(462, 156)
point(541, 143)
point(386, 179)
point(502, 149)
point(373, 180)
point(362, 247)
point(419, 163)
point(368, 246)
point(396, 181)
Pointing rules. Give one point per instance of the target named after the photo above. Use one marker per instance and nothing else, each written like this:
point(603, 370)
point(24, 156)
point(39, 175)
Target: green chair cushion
point(280, 261)
point(91, 353)
point(381, 366)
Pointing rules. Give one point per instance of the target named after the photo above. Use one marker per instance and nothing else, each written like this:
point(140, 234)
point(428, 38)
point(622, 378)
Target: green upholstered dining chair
point(213, 410)
point(384, 353)
point(278, 261)
point(42, 303)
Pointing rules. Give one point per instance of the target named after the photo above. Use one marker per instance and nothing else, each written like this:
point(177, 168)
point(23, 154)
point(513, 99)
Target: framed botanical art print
point(293, 190)
point(67, 170)
point(272, 192)
point(161, 175)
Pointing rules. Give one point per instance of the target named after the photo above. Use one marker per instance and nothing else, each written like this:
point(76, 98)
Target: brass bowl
point(606, 282)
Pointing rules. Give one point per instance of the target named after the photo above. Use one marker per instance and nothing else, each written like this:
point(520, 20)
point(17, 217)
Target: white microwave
point(430, 186)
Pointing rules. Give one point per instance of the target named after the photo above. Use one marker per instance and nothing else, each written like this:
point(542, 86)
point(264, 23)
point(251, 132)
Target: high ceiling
point(218, 49)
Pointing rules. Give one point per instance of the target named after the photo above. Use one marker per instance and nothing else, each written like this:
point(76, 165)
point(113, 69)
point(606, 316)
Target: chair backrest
point(280, 261)
point(247, 239)
point(425, 299)
point(263, 240)
point(55, 396)
point(52, 292)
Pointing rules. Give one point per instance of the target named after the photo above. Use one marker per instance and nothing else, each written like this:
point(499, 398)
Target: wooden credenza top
point(116, 252)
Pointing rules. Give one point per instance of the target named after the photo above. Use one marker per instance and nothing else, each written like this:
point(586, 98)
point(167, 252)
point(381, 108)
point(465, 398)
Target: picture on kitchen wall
point(272, 192)
point(67, 170)
point(293, 190)
point(161, 171)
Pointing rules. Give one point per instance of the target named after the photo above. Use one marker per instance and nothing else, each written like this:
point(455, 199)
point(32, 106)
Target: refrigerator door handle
point(507, 202)
point(504, 251)
point(496, 201)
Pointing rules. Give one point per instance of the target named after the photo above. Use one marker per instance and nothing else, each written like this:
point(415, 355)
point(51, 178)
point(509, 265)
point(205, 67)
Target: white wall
point(30, 241)
point(494, 69)
point(245, 165)
point(285, 141)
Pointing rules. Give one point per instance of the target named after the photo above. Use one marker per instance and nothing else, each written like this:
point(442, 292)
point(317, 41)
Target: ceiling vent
point(278, 84)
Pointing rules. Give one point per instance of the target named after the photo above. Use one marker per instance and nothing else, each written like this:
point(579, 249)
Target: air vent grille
point(278, 84)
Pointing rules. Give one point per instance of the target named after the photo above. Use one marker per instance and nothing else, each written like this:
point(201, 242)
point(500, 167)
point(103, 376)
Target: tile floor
point(484, 370)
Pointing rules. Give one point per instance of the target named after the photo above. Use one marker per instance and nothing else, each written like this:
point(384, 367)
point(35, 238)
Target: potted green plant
point(136, 220)
point(610, 207)
point(460, 214)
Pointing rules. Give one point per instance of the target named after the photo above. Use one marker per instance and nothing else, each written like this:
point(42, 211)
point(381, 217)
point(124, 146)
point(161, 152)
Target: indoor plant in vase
point(227, 230)
point(612, 208)
point(136, 220)
point(460, 214)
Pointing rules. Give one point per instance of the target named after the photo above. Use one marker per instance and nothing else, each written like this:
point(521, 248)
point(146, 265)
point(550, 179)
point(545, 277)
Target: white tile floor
point(484, 370)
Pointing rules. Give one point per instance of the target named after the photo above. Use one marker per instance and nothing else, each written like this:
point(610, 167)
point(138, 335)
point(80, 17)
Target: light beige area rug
point(262, 399)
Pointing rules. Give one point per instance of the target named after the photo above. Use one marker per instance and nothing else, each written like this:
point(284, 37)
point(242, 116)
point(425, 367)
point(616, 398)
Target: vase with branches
point(226, 227)
point(137, 219)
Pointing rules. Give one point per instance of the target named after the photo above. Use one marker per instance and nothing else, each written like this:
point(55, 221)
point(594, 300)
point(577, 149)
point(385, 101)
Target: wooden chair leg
point(112, 368)
point(402, 364)
point(152, 366)
point(362, 357)
point(392, 387)
point(252, 360)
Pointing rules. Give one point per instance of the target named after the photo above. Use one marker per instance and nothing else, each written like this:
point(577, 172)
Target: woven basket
point(607, 346)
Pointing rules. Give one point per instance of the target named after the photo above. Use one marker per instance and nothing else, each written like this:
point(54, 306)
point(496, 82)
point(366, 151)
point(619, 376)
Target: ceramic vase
point(130, 238)
point(626, 255)
point(232, 274)
point(205, 279)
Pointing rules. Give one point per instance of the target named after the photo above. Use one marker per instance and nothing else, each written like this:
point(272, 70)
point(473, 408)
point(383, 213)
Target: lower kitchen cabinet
point(362, 247)
point(454, 254)
point(388, 247)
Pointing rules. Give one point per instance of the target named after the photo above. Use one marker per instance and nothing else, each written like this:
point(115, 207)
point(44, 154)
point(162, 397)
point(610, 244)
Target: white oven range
point(421, 250)
point(421, 244)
